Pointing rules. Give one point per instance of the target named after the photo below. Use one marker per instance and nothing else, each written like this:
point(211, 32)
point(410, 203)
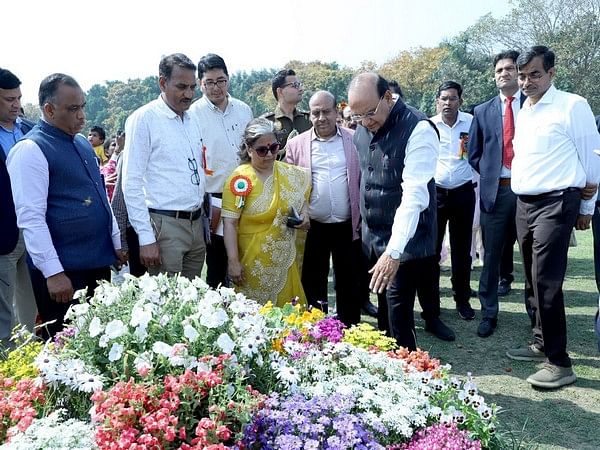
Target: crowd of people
point(372, 186)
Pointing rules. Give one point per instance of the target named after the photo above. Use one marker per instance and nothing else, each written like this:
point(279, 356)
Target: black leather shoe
point(369, 309)
point(486, 327)
point(503, 288)
point(439, 329)
point(465, 311)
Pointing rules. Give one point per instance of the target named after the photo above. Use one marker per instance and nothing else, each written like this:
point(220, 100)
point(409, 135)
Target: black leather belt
point(545, 195)
point(189, 215)
point(217, 194)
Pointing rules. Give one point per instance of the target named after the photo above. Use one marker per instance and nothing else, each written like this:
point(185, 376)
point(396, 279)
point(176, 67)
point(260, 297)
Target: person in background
point(287, 90)
point(17, 303)
point(265, 204)
point(328, 152)
point(455, 191)
point(490, 154)
point(72, 243)
point(97, 137)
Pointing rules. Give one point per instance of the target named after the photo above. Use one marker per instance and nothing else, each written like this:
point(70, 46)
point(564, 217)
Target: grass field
point(567, 418)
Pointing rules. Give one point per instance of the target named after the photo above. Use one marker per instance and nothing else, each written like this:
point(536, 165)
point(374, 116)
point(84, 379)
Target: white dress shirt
point(330, 197)
point(30, 178)
point(554, 146)
point(516, 107)
point(222, 133)
point(162, 165)
point(453, 169)
point(419, 167)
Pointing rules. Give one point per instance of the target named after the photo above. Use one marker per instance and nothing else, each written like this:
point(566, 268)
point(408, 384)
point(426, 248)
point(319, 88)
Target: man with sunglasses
point(398, 149)
point(163, 175)
point(223, 120)
point(287, 90)
point(329, 153)
point(555, 174)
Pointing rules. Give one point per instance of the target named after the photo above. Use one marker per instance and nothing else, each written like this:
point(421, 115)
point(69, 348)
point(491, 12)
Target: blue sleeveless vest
point(78, 214)
point(382, 163)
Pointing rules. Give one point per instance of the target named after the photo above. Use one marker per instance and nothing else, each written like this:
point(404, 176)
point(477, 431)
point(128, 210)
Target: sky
point(100, 40)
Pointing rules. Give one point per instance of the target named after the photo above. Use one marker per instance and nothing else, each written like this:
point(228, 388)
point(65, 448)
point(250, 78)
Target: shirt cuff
point(51, 267)
point(146, 238)
point(587, 207)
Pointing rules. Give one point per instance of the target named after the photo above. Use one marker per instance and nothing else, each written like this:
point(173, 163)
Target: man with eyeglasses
point(555, 174)
point(398, 148)
point(222, 120)
point(455, 191)
point(329, 153)
point(287, 90)
point(163, 174)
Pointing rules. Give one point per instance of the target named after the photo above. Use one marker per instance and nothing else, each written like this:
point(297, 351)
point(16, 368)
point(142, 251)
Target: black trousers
point(544, 224)
point(136, 268)
point(499, 234)
point(325, 240)
point(216, 262)
point(396, 304)
point(506, 260)
point(455, 207)
point(48, 309)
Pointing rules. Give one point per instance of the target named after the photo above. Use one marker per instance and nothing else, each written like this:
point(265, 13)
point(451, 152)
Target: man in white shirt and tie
point(455, 191)
point(163, 176)
point(553, 171)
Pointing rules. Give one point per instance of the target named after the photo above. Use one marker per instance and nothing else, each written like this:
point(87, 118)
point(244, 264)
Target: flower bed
point(168, 363)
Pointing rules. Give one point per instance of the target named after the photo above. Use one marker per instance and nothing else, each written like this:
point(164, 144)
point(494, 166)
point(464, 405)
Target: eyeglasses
point(295, 85)
point(262, 151)
point(193, 166)
point(367, 115)
point(211, 84)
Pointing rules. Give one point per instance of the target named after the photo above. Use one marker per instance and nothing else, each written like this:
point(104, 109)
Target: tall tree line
point(570, 27)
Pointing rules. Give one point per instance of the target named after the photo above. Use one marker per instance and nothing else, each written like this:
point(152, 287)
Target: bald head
point(369, 96)
point(323, 114)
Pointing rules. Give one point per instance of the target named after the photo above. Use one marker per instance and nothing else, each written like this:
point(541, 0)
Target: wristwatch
point(395, 255)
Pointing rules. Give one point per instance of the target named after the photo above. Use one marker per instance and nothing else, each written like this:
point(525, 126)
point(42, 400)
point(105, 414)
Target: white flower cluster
point(383, 393)
point(70, 372)
point(159, 321)
point(54, 433)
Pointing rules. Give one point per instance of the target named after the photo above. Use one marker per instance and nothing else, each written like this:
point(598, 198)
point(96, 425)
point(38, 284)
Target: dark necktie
point(508, 133)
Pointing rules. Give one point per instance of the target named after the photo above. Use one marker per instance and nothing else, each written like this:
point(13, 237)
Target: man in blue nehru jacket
point(61, 203)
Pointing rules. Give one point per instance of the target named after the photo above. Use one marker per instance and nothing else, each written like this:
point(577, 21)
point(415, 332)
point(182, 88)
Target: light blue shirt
point(8, 138)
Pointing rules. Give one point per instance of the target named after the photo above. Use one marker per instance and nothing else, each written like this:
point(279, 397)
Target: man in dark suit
point(14, 276)
point(490, 154)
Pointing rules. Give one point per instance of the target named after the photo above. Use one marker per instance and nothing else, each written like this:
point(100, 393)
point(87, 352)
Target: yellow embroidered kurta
point(269, 250)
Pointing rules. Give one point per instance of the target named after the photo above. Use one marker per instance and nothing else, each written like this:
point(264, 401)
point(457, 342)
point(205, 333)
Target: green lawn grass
point(567, 418)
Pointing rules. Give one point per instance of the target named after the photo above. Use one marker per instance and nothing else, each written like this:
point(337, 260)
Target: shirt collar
point(166, 110)
point(17, 125)
point(437, 119)
point(279, 113)
point(314, 137)
point(517, 96)
point(214, 107)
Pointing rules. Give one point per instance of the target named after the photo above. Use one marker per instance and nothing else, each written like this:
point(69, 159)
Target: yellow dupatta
point(267, 247)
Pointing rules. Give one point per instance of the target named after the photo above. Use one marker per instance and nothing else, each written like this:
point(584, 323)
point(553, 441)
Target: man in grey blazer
point(490, 154)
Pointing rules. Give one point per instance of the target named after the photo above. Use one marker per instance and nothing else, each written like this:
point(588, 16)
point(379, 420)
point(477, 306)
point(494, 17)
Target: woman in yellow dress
point(265, 205)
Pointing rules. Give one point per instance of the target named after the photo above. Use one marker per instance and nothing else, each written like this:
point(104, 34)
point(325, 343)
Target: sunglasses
point(262, 151)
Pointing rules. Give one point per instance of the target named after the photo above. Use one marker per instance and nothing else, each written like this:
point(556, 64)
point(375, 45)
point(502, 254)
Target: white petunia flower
point(225, 343)
point(140, 315)
point(116, 351)
point(147, 283)
point(162, 348)
point(143, 361)
point(115, 329)
point(140, 333)
point(214, 318)
point(95, 327)
point(190, 332)
point(212, 298)
point(103, 341)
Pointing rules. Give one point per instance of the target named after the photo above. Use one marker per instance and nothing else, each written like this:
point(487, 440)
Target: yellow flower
point(267, 307)
point(365, 336)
